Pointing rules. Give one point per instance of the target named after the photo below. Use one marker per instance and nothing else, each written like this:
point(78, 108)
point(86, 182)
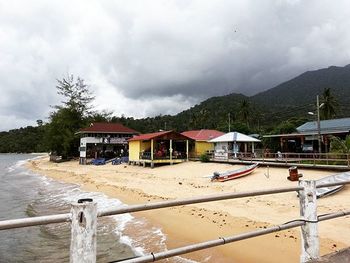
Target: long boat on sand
point(324, 191)
point(233, 174)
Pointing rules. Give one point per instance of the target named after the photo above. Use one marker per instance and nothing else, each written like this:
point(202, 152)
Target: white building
point(106, 140)
point(233, 143)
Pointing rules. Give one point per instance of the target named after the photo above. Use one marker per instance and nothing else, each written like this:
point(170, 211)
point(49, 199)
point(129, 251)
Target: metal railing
point(336, 159)
point(83, 218)
point(162, 156)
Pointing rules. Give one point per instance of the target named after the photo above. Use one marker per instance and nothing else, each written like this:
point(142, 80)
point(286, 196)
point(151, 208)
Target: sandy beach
point(197, 223)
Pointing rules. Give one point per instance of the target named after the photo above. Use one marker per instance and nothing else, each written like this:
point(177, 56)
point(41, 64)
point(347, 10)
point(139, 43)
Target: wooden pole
point(171, 151)
point(187, 150)
point(310, 246)
point(83, 232)
point(152, 150)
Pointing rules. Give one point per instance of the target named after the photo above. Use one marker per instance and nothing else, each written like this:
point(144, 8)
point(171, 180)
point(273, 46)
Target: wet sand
point(197, 223)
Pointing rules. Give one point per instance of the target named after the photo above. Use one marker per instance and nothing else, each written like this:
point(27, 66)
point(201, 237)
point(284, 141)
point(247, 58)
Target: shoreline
point(190, 224)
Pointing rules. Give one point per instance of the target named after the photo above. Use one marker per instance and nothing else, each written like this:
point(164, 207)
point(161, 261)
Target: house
point(305, 139)
point(105, 140)
point(159, 147)
point(201, 141)
point(231, 144)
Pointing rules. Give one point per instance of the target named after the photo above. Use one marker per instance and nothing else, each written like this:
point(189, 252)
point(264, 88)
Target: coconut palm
point(328, 110)
point(244, 111)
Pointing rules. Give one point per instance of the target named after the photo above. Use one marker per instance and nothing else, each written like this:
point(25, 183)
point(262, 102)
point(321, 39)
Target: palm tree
point(340, 146)
point(330, 104)
point(244, 111)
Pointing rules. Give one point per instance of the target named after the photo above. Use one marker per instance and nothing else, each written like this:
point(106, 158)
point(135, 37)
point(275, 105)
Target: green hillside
point(289, 101)
point(298, 96)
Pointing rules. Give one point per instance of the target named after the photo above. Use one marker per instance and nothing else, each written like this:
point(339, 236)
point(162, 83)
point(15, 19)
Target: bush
point(204, 158)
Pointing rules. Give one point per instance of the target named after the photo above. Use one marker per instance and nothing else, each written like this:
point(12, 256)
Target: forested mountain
point(23, 140)
point(279, 109)
point(298, 96)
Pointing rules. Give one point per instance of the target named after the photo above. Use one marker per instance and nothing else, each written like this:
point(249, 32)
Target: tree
point(72, 115)
point(244, 111)
point(340, 146)
point(328, 110)
point(77, 94)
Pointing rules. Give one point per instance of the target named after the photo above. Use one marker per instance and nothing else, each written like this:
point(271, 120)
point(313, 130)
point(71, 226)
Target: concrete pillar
point(83, 232)
point(310, 246)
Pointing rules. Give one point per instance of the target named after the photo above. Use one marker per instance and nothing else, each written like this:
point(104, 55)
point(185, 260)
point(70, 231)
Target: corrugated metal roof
point(106, 127)
point(202, 135)
point(234, 136)
point(340, 125)
point(149, 136)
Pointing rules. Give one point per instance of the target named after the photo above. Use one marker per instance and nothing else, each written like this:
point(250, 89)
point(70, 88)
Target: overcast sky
point(143, 58)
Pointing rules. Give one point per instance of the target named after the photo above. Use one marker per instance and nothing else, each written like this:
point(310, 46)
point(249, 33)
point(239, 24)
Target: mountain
point(291, 101)
point(298, 95)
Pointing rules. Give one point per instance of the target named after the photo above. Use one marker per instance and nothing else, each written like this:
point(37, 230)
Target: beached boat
point(233, 174)
point(324, 191)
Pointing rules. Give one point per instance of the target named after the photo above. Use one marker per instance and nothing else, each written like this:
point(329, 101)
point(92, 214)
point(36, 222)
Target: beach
point(190, 224)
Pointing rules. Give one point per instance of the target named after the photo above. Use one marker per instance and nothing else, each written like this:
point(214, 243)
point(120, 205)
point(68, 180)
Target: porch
point(159, 148)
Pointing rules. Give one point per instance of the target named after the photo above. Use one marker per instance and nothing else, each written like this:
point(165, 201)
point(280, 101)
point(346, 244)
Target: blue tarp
point(120, 160)
point(98, 161)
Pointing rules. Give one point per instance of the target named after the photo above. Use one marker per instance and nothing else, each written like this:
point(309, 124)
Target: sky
point(145, 58)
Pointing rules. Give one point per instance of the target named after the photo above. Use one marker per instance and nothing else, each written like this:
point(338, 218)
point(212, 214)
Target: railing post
point(310, 247)
point(83, 232)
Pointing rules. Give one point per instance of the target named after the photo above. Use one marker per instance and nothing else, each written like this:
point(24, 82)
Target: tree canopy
point(69, 117)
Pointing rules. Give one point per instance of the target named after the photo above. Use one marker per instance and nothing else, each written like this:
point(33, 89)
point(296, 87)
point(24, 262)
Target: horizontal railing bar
point(222, 241)
point(195, 200)
point(60, 218)
point(212, 243)
point(34, 221)
point(333, 215)
point(332, 184)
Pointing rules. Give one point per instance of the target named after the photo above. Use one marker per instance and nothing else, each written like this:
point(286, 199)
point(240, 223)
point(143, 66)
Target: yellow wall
point(202, 147)
point(134, 150)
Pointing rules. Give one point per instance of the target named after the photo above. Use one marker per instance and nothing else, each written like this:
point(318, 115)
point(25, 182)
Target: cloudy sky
point(143, 58)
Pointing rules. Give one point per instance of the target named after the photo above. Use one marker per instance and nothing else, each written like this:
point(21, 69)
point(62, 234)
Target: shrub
point(204, 158)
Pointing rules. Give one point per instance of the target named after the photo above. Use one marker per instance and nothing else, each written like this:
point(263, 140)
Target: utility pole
point(319, 124)
point(229, 122)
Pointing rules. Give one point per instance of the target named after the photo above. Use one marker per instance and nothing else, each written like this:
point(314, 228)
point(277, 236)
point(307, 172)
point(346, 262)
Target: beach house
point(159, 147)
point(201, 141)
point(305, 139)
point(233, 144)
point(107, 140)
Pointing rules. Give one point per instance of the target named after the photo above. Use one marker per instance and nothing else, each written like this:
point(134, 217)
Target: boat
point(324, 191)
point(233, 174)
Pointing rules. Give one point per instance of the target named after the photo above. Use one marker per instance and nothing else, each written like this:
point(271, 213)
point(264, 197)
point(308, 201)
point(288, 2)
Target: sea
point(24, 193)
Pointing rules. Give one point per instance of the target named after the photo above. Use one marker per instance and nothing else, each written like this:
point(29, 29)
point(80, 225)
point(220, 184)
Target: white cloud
point(162, 56)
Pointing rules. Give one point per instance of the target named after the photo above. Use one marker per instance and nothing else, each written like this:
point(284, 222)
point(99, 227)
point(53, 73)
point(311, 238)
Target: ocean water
point(25, 194)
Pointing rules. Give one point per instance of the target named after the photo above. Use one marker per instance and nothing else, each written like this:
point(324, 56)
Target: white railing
point(314, 159)
point(84, 214)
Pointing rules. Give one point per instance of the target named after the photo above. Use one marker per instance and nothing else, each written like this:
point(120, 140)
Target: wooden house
point(307, 135)
point(159, 147)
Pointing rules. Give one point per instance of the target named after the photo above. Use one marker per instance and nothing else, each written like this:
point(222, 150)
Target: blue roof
point(332, 126)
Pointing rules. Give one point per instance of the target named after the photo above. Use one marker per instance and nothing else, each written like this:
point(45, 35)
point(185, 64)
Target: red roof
point(106, 127)
point(148, 136)
point(203, 135)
